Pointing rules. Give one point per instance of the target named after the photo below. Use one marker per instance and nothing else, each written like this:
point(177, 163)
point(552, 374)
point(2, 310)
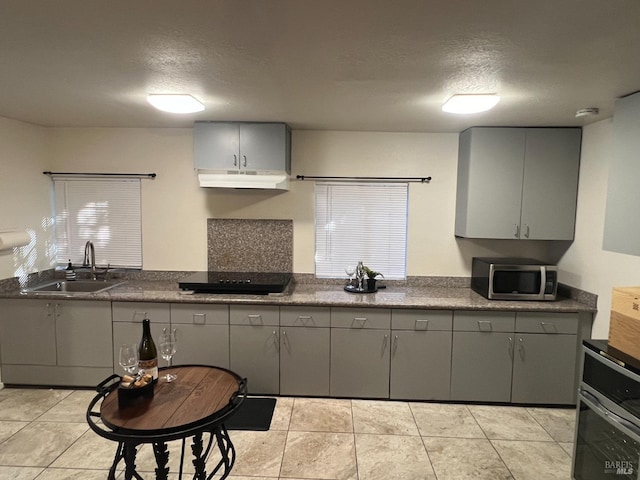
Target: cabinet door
point(201, 345)
point(83, 333)
point(481, 366)
point(304, 361)
point(254, 354)
point(621, 228)
point(27, 332)
point(490, 169)
point(216, 146)
point(550, 187)
point(202, 334)
point(264, 146)
point(359, 363)
point(544, 369)
point(420, 365)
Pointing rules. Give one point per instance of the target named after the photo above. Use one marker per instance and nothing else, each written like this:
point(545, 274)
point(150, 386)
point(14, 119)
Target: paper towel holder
point(10, 239)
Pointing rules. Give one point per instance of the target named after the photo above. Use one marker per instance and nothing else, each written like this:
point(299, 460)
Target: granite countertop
point(310, 294)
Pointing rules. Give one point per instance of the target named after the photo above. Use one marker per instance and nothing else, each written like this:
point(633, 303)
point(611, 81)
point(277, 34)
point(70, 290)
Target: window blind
point(106, 212)
point(361, 221)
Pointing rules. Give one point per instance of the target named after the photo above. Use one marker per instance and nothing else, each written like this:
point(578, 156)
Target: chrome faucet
point(90, 260)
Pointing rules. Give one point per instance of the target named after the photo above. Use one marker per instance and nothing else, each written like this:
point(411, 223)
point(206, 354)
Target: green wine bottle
point(147, 353)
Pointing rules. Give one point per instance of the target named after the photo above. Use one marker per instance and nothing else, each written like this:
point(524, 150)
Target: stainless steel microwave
point(514, 279)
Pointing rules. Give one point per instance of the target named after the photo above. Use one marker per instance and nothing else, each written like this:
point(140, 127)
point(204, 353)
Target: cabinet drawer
point(484, 321)
point(305, 316)
point(136, 311)
point(378, 318)
point(199, 314)
point(254, 315)
point(421, 319)
point(538, 322)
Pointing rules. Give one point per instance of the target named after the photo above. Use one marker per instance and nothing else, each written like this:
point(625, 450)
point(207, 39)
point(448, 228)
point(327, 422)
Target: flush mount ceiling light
point(175, 103)
point(470, 103)
point(587, 112)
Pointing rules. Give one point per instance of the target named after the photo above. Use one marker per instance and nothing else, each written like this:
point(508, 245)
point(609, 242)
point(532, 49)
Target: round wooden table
point(195, 404)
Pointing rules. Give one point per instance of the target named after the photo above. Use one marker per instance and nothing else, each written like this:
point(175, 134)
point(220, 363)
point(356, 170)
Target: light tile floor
point(44, 436)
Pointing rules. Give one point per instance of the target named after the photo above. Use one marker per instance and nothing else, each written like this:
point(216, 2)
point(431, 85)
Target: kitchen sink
point(72, 287)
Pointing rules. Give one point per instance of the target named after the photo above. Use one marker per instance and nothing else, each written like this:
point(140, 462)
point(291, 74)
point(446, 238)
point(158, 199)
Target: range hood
point(257, 180)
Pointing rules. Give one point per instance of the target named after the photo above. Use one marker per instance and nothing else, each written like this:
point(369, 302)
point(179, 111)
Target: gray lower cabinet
point(127, 325)
point(420, 354)
point(254, 346)
point(360, 346)
point(202, 334)
point(55, 342)
point(481, 362)
point(544, 361)
point(524, 357)
point(305, 342)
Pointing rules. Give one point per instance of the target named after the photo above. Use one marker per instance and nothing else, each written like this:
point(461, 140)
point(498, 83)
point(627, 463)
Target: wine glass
point(168, 350)
point(350, 270)
point(128, 358)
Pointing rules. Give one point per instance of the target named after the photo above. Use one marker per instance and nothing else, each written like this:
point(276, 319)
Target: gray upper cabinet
point(517, 183)
point(621, 223)
point(237, 146)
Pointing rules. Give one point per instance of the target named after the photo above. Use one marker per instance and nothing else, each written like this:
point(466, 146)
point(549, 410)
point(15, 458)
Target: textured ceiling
point(323, 64)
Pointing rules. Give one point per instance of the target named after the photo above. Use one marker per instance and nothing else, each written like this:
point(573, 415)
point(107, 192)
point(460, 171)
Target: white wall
point(24, 196)
point(175, 208)
point(586, 265)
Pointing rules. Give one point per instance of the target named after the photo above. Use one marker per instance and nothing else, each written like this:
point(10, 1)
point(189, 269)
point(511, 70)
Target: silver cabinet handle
point(304, 319)
point(422, 324)
point(254, 318)
point(276, 341)
point(485, 325)
point(235, 160)
point(511, 348)
point(548, 327)
point(57, 309)
point(521, 347)
point(395, 344)
point(517, 234)
point(527, 232)
point(360, 320)
point(48, 305)
point(245, 160)
point(199, 318)
point(385, 342)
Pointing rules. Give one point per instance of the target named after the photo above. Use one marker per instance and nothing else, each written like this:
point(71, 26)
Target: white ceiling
point(317, 64)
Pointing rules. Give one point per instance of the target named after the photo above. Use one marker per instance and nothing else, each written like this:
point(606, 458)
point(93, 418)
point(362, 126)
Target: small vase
point(371, 284)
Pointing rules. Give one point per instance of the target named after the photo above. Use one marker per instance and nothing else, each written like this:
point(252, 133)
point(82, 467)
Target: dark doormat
point(253, 414)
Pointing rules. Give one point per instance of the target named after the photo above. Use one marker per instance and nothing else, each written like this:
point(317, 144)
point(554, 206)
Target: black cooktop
point(253, 283)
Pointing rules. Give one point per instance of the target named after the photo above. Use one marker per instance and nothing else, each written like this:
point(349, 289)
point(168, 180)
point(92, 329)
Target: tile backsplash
point(249, 245)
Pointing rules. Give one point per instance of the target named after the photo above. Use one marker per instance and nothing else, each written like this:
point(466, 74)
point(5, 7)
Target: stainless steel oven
point(607, 440)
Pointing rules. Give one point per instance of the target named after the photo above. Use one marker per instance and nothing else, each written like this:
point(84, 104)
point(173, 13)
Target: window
point(361, 221)
point(103, 211)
